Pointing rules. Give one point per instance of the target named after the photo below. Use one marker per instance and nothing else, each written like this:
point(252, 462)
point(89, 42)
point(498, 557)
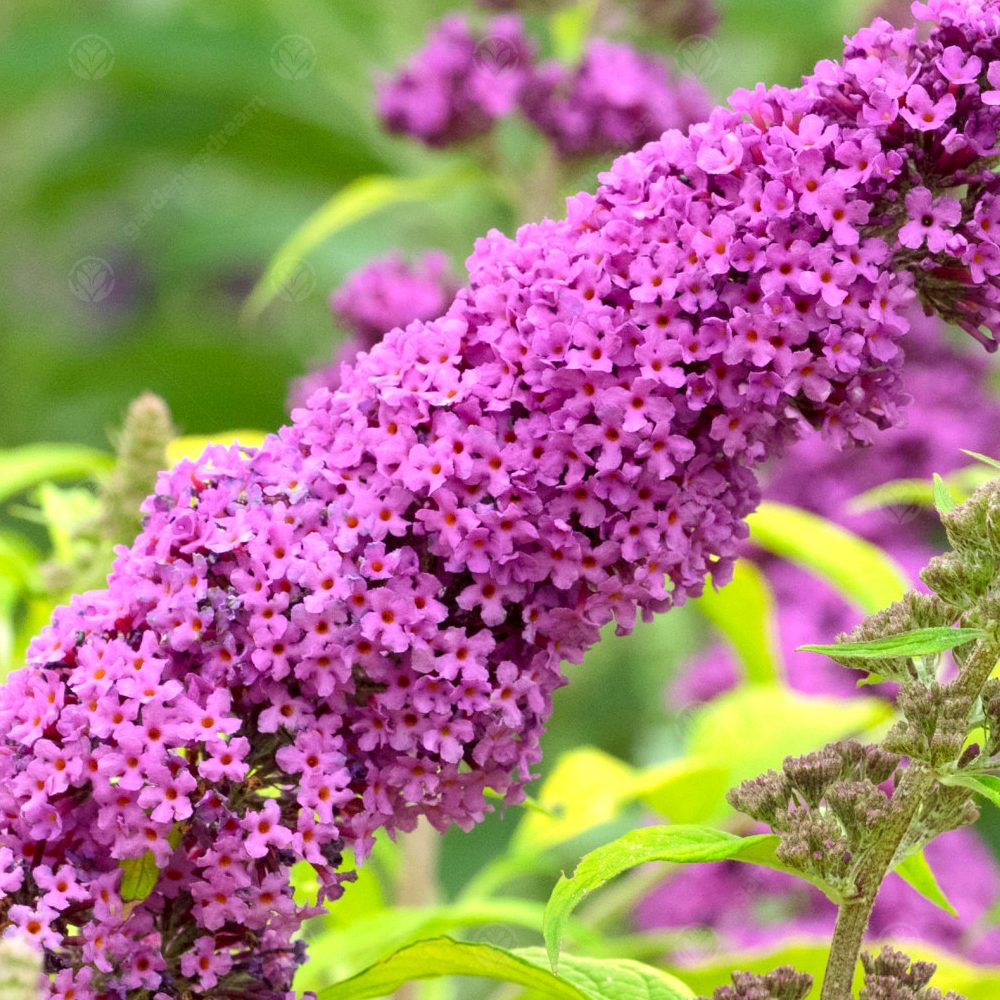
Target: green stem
point(917, 781)
point(852, 920)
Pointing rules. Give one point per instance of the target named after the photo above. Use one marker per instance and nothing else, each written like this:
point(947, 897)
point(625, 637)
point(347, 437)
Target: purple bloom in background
point(385, 293)
point(746, 907)
point(617, 99)
point(459, 83)
point(369, 612)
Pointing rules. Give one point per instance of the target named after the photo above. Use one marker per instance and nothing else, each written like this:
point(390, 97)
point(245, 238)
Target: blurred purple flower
point(459, 83)
point(617, 99)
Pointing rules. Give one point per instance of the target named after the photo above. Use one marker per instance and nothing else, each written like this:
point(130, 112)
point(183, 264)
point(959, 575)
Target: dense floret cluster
point(957, 410)
point(363, 620)
point(616, 99)
point(385, 293)
point(459, 83)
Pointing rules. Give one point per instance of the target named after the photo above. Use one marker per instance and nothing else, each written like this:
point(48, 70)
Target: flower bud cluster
point(783, 983)
point(915, 610)
point(934, 725)
point(826, 806)
point(890, 976)
point(966, 575)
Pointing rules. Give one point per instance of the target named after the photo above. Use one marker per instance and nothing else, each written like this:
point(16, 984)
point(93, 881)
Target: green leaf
point(744, 611)
point(192, 445)
point(918, 642)
point(569, 28)
point(24, 467)
point(943, 500)
point(859, 570)
point(992, 462)
point(678, 844)
point(357, 200)
point(443, 956)
point(614, 978)
point(343, 949)
point(586, 788)
point(960, 484)
point(685, 790)
point(64, 511)
point(18, 560)
point(139, 876)
point(581, 978)
point(917, 872)
point(986, 785)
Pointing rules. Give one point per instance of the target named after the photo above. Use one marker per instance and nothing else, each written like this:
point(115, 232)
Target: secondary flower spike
point(385, 293)
point(362, 621)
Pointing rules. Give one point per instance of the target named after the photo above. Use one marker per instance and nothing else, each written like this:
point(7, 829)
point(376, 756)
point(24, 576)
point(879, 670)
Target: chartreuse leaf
point(943, 500)
point(355, 201)
point(192, 445)
point(139, 875)
point(744, 611)
point(917, 872)
point(684, 790)
point(919, 642)
point(975, 982)
point(345, 949)
point(24, 467)
point(63, 512)
point(569, 28)
point(985, 459)
point(614, 978)
point(960, 484)
point(587, 787)
point(859, 570)
point(583, 978)
point(896, 492)
point(678, 844)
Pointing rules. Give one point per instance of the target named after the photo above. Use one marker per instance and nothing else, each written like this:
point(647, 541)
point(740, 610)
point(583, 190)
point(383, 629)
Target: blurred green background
point(103, 105)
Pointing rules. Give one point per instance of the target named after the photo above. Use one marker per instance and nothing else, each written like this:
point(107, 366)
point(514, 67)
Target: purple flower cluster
point(385, 293)
point(957, 411)
point(363, 621)
point(616, 99)
point(459, 83)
